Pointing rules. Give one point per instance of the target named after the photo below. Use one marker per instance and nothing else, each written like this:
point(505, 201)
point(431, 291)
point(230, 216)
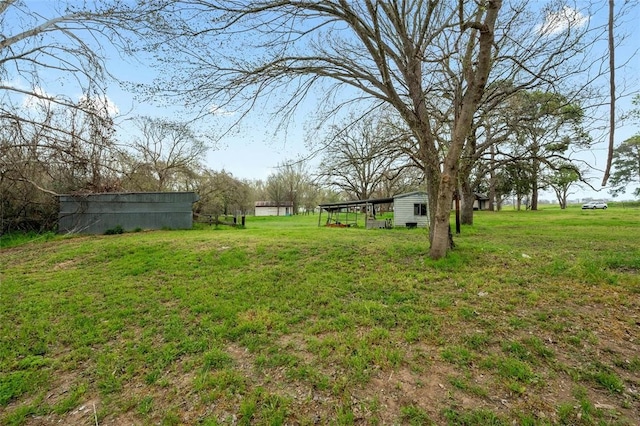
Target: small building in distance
point(480, 202)
point(411, 209)
point(98, 213)
point(271, 208)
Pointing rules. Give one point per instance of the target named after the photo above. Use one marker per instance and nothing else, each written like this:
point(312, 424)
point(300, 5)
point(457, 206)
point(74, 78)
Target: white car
point(594, 205)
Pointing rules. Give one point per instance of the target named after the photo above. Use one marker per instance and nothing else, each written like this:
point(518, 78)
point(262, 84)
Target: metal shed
point(97, 213)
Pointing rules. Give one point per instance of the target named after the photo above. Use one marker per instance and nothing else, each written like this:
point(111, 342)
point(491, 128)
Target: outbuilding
point(272, 208)
point(411, 209)
point(99, 213)
point(480, 202)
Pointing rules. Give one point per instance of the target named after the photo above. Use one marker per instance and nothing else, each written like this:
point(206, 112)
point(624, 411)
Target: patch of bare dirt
point(67, 264)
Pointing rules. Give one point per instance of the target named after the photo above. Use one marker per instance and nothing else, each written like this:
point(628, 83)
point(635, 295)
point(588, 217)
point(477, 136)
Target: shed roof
point(409, 194)
point(142, 197)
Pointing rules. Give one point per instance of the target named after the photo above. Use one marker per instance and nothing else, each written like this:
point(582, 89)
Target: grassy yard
point(534, 319)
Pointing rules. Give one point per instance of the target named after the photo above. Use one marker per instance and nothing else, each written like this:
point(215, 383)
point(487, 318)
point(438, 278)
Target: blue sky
point(253, 150)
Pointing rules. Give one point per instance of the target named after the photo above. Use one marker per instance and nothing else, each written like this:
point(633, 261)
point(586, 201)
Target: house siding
point(272, 211)
point(403, 211)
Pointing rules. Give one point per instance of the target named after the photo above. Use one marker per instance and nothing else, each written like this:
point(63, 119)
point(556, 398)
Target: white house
point(411, 209)
point(271, 208)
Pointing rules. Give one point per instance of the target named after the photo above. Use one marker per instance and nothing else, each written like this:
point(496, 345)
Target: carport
point(347, 213)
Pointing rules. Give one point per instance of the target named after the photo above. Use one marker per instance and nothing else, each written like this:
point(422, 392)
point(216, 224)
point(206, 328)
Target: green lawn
point(534, 319)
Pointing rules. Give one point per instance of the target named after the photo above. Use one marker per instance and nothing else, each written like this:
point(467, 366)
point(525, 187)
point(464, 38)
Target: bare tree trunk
point(432, 179)
point(492, 181)
point(468, 199)
point(440, 231)
point(612, 94)
point(535, 177)
point(534, 190)
point(440, 242)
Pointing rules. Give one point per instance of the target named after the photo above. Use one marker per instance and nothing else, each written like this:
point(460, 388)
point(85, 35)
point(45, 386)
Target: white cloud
point(102, 104)
point(559, 21)
point(14, 84)
point(218, 110)
point(38, 99)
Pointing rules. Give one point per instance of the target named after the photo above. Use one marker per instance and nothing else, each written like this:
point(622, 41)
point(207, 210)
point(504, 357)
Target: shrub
point(115, 230)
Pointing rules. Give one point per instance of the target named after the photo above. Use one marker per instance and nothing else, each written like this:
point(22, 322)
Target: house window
point(420, 209)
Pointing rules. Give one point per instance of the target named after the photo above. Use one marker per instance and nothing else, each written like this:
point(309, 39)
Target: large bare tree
point(289, 185)
point(165, 151)
point(391, 53)
point(360, 155)
point(38, 161)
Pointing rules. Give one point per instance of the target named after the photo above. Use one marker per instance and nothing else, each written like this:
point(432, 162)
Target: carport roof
point(340, 204)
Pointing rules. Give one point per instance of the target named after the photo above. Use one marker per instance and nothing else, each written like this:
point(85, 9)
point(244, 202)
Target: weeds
point(414, 415)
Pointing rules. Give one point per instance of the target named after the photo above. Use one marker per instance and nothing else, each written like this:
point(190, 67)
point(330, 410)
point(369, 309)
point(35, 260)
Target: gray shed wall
point(403, 209)
point(96, 213)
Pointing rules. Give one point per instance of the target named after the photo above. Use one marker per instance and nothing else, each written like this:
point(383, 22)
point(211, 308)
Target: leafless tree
point(361, 156)
point(276, 190)
point(291, 183)
point(309, 197)
point(393, 53)
point(165, 151)
point(38, 161)
point(612, 90)
point(46, 42)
